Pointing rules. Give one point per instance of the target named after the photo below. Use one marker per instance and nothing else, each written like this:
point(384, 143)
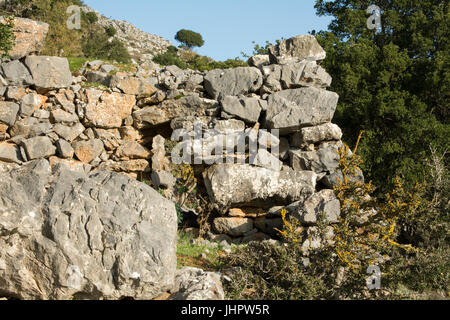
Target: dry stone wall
point(122, 123)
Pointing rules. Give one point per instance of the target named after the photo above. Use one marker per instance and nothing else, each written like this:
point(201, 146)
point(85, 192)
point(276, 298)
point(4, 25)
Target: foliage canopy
point(393, 83)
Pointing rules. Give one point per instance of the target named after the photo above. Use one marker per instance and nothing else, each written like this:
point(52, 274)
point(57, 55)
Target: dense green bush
point(96, 44)
point(189, 38)
point(91, 17)
point(169, 58)
point(110, 31)
point(393, 83)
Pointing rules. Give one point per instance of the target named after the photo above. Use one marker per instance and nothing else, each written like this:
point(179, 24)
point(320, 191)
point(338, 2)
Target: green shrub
point(169, 58)
point(110, 31)
point(7, 37)
point(91, 17)
point(96, 45)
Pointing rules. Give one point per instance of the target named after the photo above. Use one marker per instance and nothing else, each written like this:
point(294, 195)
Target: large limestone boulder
point(69, 234)
point(49, 72)
point(233, 185)
point(231, 82)
point(297, 49)
point(293, 109)
point(30, 36)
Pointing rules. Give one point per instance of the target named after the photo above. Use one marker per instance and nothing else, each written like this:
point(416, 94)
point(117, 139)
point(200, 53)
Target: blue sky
point(227, 26)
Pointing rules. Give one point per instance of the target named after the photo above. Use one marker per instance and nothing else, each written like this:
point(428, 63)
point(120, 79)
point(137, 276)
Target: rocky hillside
point(141, 45)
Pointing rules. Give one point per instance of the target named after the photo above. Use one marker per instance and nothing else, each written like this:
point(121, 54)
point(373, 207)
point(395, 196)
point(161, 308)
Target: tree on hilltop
point(189, 38)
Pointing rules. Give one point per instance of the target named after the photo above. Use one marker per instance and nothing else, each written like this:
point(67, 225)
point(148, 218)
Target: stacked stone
point(285, 90)
point(121, 125)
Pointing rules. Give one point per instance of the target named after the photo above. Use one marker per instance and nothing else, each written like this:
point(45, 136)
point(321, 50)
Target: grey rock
point(259, 60)
point(64, 149)
point(95, 64)
point(61, 116)
point(272, 77)
point(49, 72)
point(304, 74)
point(244, 108)
point(325, 159)
point(314, 135)
point(293, 109)
point(228, 126)
point(98, 236)
point(230, 82)
point(38, 147)
point(321, 203)
point(69, 133)
point(10, 153)
point(29, 104)
point(196, 284)
point(41, 114)
point(297, 49)
point(233, 226)
point(265, 159)
point(31, 127)
point(98, 77)
point(8, 112)
point(334, 179)
point(163, 179)
point(16, 74)
point(241, 184)
point(107, 68)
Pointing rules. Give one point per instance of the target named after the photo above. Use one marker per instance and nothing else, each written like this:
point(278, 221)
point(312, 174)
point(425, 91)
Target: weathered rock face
point(173, 109)
point(325, 159)
point(239, 184)
point(49, 72)
point(297, 49)
point(95, 236)
point(30, 36)
point(290, 110)
point(304, 74)
point(231, 82)
point(196, 284)
point(107, 110)
point(234, 226)
point(16, 74)
point(244, 108)
point(132, 86)
point(8, 112)
point(314, 135)
point(323, 202)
